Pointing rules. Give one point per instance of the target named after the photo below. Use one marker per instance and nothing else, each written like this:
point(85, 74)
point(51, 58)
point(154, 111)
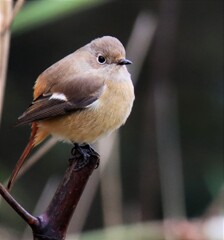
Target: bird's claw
point(82, 154)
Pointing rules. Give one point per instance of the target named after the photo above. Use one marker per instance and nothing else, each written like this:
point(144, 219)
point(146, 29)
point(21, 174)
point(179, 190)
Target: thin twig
point(29, 219)
point(142, 35)
point(18, 5)
point(166, 112)
point(5, 14)
point(110, 186)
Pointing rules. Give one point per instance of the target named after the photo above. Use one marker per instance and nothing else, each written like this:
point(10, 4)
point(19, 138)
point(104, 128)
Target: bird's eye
point(101, 59)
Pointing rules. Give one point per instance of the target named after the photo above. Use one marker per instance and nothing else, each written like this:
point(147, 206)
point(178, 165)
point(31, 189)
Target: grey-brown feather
point(45, 108)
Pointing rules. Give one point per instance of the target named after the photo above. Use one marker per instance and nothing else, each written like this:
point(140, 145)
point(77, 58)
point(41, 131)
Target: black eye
point(101, 59)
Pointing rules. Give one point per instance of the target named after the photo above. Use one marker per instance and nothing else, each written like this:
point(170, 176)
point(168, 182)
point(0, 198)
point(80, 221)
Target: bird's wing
point(63, 98)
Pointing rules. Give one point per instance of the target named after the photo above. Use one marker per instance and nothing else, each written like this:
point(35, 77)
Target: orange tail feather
point(23, 157)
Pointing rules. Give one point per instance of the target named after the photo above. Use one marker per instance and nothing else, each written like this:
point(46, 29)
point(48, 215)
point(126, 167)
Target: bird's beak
point(124, 62)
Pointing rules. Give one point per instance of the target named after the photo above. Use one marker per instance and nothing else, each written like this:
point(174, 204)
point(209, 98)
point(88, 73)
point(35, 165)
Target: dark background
point(195, 72)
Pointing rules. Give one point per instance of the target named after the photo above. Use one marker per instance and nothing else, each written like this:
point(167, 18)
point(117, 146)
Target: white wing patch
point(94, 104)
point(59, 96)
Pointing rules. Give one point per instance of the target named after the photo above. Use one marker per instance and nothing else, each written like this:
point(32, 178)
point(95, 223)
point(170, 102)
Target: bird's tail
point(23, 157)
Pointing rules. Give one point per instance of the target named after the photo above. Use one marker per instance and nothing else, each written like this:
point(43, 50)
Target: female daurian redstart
point(80, 98)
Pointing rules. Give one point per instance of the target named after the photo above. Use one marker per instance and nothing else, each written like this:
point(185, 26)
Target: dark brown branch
point(53, 223)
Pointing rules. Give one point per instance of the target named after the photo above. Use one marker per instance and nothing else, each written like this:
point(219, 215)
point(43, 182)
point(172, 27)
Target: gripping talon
point(82, 154)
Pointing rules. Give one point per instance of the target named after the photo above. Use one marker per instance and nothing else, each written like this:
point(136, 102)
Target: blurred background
point(161, 176)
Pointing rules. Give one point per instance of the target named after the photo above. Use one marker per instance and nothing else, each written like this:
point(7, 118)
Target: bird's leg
point(93, 153)
point(80, 155)
point(90, 150)
point(83, 153)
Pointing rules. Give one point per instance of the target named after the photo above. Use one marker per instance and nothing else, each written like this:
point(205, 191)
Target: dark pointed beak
point(124, 62)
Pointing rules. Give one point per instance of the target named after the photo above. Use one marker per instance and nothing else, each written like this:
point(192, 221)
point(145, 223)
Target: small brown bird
point(81, 98)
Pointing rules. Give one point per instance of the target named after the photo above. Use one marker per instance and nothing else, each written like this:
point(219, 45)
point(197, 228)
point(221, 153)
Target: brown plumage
point(80, 98)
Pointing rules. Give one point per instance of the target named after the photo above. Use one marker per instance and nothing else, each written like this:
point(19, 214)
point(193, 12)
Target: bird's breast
point(101, 117)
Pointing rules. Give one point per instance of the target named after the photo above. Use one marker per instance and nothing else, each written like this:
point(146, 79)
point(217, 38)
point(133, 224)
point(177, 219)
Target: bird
point(81, 98)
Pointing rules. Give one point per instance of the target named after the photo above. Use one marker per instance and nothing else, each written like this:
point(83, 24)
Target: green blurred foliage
point(37, 13)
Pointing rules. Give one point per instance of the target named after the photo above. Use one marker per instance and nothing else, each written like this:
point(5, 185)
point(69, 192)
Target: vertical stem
point(166, 113)
point(5, 16)
point(111, 186)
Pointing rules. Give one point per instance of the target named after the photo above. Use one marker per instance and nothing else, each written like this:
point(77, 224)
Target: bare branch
point(29, 219)
point(53, 223)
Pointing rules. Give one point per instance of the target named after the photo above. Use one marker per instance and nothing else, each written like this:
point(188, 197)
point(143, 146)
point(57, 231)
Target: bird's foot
point(82, 154)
